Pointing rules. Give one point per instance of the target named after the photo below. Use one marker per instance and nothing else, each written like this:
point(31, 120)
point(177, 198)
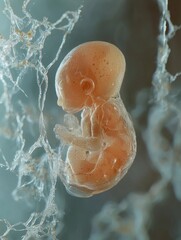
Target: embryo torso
point(100, 166)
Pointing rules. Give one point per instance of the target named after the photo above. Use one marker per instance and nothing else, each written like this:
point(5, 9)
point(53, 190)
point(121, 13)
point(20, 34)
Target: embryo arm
point(88, 143)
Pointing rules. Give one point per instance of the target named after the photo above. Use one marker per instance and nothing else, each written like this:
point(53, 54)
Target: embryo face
point(68, 88)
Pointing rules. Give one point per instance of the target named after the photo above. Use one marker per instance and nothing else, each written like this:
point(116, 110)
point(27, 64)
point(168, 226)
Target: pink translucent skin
point(89, 80)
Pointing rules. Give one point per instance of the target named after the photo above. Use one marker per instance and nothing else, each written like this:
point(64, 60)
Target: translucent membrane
point(89, 80)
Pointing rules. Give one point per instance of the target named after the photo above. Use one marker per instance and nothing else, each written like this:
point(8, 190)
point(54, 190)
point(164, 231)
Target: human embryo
point(102, 147)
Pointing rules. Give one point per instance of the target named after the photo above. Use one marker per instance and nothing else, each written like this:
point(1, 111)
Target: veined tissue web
point(24, 145)
point(165, 116)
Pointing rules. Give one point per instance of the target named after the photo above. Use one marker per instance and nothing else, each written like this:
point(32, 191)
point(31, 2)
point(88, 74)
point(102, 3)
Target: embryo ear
point(87, 85)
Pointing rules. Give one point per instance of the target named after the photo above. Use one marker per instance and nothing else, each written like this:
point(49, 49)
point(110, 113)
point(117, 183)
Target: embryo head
point(91, 70)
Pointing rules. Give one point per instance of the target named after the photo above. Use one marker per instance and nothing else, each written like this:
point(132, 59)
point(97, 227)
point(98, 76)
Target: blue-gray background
point(133, 27)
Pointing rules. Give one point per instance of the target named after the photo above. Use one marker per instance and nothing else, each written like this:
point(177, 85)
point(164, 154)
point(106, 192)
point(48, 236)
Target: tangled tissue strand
point(98, 156)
